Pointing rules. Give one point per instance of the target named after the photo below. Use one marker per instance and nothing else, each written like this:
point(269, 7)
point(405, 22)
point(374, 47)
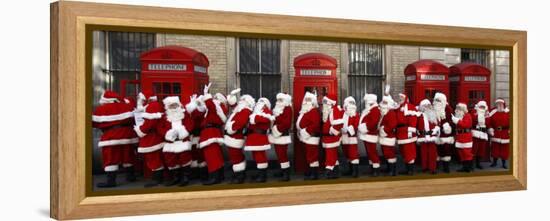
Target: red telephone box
point(470, 82)
point(424, 78)
point(315, 73)
point(174, 71)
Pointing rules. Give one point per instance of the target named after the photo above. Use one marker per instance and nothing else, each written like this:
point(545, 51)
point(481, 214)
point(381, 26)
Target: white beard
point(326, 112)
point(459, 114)
point(384, 109)
point(430, 115)
point(481, 117)
point(279, 108)
point(175, 114)
point(306, 107)
point(500, 109)
point(439, 110)
point(259, 108)
point(351, 110)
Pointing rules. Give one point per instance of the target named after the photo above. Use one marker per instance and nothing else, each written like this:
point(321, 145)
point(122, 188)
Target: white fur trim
point(411, 129)
point(406, 141)
point(110, 118)
point(138, 131)
point(336, 122)
point(500, 140)
point(202, 164)
point(464, 145)
point(334, 131)
point(195, 140)
point(387, 141)
point(117, 142)
point(126, 165)
point(348, 140)
point(207, 96)
point(194, 164)
point(232, 142)
point(331, 145)
point(160, 168)
point(285, 165)
point(187, 164)
point(212, 140)
point(252, 119)
point(240, 166)
point(506, 110)
point(177, 147)
point(261, 165)
point(375, 165)
point(354, 161)
point(279, 140)
point(445, 140)
point(447, 129)
point(151, 148)
point(445, 158)
point(362, 128)
point(275, 131)
point(369, 138)
point(229, 127)
point(311, 140)
point(182, 133)
point(190, 107)
point(174, 167)
point(220, 113)
point(314, 164)
point(151, 116)
point(111, 168)
point(392, 160)
point(427, 139)
point(257, 148)
point(231, 99)
point(480, 134)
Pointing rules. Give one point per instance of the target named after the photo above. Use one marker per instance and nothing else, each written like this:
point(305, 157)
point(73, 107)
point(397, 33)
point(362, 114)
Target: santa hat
point(440, 96)
point(287, 99)
point(147, 95)
point(500, 100)
point(481, 103)
point(425, 102)
point(349, 100)
point(462, 106)
point(370, 98)
point(265, 101)
point(109, 97)
point(313, 98)
point(232, 99)
point(220, 97)
point(171, 100)
point(404, 97)
point(249, 100)
point(388, 99)
point(330, 99)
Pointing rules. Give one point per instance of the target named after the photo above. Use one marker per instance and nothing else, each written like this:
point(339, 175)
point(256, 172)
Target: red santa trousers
point(261, 159)
point(389, 153)
point(312, 154)
point(236, 157)
point(479, 148)
point(428, 155)
point(408, 152)
point(197, 156)
point(499, 150)
point(282, 155)
point(351, 152)
point(113, 156)
point(465, 154)
point(372, 154)
point(331, 156)
point(153, 160)
point(213, 156)
point(176, 160)
point(444, 151)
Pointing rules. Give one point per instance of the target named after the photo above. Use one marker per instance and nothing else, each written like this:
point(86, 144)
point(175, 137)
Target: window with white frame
point(366, 70)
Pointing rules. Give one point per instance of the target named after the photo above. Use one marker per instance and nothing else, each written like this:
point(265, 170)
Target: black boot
point(278, 173)
point(130, 174)
point(312, 174)
point(195, 173)
point(478, 164)
point(375, 171)
point(156, 179)
point(348, 172)
point(410, 169)
point(214, 177)
point(203, 174)
point(446, 168)
point(185, 176)
point(392, 169)
point(355, 170)
point(465, 167)
point(504, 164)
point(330, 174)
point(285, 175)
point(174, 177)
point(494, 163)
point(238, 177)
point(261, 176)
point(109, 182)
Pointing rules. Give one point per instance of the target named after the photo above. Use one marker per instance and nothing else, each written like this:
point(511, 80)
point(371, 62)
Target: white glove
point(236, 91)
point(382, 132)
point(171, 135)
point(333, 131)
point(447, 128)
point(182, 133)
point(207, 88)
point(409, 134)
point(304, 134)
point(271, 118)
point(362, 128)
point(229, 128)
point(351, 130)
point(455, 119)
point(491, 132)
point(436, 131)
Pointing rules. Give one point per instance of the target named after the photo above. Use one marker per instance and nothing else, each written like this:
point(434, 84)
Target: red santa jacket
point(176, 133)
point(280, 131)
point(406, 123)
point(463, 138)
point(236, 123)
point(446, 136)
point(368, 126)
point(427, 131)
point(308, 127)
point(479, 129)
point(259, 124)
point(332, 128)
point(212, 123)
point(150, 139)
point(349, 128)
point(115, 120)
point(499, 123)
point(198, 117)
point(387, 128)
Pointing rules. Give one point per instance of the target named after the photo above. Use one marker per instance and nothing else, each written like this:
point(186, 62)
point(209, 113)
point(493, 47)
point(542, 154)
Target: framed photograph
point(163, 110)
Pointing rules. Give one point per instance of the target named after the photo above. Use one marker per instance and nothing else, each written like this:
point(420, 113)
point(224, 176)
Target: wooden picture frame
point(69, 133)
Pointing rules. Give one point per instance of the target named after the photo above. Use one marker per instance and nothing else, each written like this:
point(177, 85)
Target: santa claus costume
point(332, 115)
point(280, 132)
point(308, 128)
point(368, 131)
point(256, 140)
point(386, 128)
point(211, 137)
point(480, 120)
point(445, 140)
point(407, 116)
point(151, 140)
point(115, 119)
point(349, 136)
point(463, 138)
point(198, 164)
point(175, 126)
point(234, 136)
point(428, 131)
point(499, 129)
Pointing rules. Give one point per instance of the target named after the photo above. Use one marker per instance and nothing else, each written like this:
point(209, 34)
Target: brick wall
point(501, 75)
point(397, 58)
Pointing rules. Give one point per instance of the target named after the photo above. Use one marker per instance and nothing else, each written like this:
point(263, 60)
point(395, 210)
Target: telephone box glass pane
point(157, 88)
point(176, 89)
point(166, 88)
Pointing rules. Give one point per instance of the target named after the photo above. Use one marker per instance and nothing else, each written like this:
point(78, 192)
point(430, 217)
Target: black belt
point(460, 131)
point(286, 133)
point(196, 131)
point(237, 132)
point(258, 131)
point(482, 129)
point(212, 126)
point(117, 126)
point(501, 128)
point(425, 132)
point(402, 125)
